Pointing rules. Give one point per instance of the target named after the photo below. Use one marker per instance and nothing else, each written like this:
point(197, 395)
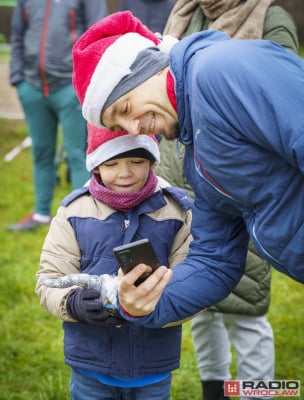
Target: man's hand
point(141, 300)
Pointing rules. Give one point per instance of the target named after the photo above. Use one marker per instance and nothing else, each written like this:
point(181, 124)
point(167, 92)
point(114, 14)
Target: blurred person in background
point(153, 13)
point(43, 34)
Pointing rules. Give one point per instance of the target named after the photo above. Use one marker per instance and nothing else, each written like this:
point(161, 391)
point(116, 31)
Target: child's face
point(127, 175)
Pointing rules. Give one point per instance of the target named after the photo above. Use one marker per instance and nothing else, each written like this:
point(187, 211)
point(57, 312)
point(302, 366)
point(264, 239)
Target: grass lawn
point(31, 357)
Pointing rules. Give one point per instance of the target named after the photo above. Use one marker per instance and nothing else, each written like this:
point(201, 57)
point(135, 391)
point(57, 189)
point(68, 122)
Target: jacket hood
point(180, 57)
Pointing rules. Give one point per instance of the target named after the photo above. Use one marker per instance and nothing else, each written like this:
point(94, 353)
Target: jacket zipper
point(45, 85)
point(270, 257)
point(73, 26)
point(204, 174)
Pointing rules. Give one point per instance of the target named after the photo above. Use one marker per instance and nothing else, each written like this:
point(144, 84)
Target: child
point(123, 202)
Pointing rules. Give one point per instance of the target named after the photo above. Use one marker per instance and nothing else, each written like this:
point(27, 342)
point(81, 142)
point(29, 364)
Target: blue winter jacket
point(81, 240)
point(240, 107)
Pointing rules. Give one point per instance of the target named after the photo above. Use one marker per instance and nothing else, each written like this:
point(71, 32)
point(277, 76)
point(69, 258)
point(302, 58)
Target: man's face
point(144, 110)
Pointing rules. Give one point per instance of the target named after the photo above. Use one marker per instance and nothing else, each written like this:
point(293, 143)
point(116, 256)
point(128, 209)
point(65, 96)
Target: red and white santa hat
point(104, 145)
point(112, 57)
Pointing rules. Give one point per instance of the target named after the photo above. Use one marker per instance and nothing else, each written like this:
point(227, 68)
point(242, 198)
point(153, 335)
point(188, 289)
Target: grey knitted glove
point(105, 284)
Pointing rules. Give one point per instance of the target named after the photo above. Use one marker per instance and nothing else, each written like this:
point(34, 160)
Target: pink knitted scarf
point(122, 201)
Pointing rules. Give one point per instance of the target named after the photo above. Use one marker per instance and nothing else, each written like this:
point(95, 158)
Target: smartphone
point(131, 254)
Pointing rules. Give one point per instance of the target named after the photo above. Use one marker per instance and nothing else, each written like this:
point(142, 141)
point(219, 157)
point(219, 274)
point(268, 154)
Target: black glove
point(84, 305)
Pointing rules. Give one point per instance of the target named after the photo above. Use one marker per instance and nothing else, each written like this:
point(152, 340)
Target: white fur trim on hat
point(166, 43)
point(120, 145)
point(113, 65)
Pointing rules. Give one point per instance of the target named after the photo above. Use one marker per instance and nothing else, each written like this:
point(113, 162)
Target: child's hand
point(84, 305)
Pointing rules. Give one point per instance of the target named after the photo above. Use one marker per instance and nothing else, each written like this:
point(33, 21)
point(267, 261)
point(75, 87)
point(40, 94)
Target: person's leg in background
point(67, 107)
point(212, 348)
point(252, 338)
point(42, 123)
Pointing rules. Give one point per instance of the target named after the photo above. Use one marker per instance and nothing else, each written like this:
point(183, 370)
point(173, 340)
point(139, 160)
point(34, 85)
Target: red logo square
point(232, 388)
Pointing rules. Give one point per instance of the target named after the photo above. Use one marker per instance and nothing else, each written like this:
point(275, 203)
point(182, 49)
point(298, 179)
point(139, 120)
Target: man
point(236, 105)
point(238, 322)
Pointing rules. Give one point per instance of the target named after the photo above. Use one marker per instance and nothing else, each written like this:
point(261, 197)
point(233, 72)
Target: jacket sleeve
point(94, 10)
point(280, 27)
point(180, 247)
point(60, 256)
point(18, 28)
point(214, 265)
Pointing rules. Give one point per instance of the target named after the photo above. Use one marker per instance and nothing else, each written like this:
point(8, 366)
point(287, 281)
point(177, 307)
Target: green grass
point(31, 354)
point(31, 359)
point(7, 3)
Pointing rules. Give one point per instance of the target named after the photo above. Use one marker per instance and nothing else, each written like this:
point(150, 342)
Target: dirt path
point(9, 104)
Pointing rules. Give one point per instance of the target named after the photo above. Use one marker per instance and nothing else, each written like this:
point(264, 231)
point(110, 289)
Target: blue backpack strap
point(74, 195)
point(180, 195)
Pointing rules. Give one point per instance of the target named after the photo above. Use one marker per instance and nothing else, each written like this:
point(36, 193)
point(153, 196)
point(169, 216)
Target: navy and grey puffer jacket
point(81, 240)
point(43, 34)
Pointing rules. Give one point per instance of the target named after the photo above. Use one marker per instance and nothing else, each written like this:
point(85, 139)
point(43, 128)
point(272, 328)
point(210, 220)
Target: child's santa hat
point(105, 145)
point(112, 57)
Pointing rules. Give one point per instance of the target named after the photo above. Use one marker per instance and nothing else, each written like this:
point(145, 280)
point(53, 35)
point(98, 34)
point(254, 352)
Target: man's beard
point(172, 133)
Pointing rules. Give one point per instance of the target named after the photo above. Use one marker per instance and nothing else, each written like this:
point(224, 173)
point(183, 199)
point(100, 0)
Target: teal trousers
point(44, 115)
